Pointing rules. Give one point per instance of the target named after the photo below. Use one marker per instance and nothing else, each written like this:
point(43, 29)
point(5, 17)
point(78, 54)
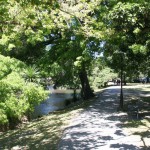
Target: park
point(74, 74)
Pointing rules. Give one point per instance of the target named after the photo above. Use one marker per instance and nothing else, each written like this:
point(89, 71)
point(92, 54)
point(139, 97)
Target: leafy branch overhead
point(70, 42)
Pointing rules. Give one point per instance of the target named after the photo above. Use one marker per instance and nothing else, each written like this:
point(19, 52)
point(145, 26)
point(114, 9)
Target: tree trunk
point(121, 90)
point(86, 91)
point(124, 80)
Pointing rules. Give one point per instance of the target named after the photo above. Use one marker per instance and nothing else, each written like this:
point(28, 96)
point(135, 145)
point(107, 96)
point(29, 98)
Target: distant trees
point(100, 74)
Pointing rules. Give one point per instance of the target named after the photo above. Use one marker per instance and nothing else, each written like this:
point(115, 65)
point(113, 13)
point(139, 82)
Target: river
point(55, 101)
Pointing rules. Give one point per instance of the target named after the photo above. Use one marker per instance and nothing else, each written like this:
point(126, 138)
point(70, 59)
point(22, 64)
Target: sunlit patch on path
point(101, 127)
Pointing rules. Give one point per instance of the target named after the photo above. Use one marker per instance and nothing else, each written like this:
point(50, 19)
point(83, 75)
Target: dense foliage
point(17, 96)
point(100, 74)
point(62, 38)
point(129, 35)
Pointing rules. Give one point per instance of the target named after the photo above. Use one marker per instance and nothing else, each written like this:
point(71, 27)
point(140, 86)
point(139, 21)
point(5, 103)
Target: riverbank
point(42, 133)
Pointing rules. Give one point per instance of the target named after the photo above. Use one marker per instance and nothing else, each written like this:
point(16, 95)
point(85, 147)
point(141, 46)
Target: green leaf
point(11, 46)
point(4, 40)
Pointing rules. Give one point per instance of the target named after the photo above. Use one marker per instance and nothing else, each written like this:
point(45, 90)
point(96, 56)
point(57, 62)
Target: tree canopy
point(129, 25)
point(62, 38)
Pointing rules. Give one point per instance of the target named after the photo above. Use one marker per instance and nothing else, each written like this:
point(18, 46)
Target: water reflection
point(55, 101)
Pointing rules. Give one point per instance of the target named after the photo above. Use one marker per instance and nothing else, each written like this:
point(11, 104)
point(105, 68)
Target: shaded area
point(40, 134)
point(140, 98)
point(101, 126)
point(124, 146)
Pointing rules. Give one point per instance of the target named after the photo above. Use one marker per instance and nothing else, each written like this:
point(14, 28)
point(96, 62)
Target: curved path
point(100, 127)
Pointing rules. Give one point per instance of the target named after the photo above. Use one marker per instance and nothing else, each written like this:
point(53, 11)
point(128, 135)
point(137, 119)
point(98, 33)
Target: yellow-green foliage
point(100, 76)
point(16, 95)
point(34, 94)
point(3, 117)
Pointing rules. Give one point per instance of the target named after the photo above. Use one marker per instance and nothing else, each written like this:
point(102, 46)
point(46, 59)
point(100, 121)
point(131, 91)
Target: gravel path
point(100, 127)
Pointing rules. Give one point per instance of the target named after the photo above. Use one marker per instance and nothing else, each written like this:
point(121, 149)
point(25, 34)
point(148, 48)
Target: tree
point(128, 23)
point(35, 24)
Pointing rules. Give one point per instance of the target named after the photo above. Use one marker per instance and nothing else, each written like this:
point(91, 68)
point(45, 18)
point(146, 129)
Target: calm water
point(55, 101)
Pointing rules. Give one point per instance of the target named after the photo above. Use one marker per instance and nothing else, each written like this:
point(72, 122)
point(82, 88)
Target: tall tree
point(28, 27)
point(128, 23)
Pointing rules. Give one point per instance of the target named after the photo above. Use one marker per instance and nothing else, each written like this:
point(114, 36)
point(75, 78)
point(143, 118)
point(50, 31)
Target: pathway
point(100, 127)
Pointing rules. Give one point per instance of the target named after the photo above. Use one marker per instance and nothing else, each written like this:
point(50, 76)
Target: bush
point(17, 97)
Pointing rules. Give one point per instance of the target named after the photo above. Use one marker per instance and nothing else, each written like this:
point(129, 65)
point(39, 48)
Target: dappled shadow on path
point(124, 146)
point(100, 126)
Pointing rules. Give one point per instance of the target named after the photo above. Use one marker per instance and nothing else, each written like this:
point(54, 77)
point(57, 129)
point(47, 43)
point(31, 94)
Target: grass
point(134, 123)
point(42, 133)
point(140, 127)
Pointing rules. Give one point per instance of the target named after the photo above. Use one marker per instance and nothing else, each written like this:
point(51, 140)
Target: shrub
point(17, 97)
